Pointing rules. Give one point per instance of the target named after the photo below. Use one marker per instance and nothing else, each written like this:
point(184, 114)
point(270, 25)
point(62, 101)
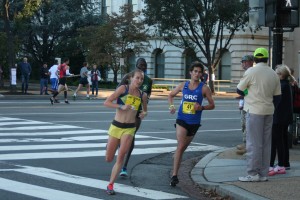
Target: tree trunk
point(10, 41)
point(211, 83)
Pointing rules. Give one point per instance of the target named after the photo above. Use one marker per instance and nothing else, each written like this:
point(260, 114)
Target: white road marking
point(65, 132)
point(94, 183)
point(39, 192)
point(54, 126)
point(77, 146)
point(9, 119)
point(22, 123)
point(78, 154)
point(69, 139)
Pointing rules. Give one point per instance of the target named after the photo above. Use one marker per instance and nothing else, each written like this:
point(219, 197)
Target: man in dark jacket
point(25, 69)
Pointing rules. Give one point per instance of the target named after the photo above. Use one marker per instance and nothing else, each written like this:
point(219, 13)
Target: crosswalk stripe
point(120, 188)
point(69, 139)
point(79, 154)
point(77, 146)
point(64, 132)
point(38, 127)
point(22, 123)
point(9, 119)
point(39, 192)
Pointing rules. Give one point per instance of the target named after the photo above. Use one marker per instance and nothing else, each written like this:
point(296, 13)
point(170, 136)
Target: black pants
point(280, 145)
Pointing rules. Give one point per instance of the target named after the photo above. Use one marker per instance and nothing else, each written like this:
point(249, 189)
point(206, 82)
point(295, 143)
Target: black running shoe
point(174, 181)
point(51, 100)
point(56, 101)
point(67, 102)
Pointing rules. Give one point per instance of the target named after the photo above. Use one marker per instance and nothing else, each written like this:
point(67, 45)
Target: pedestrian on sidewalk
point(83, 81)
point(283, 116)
point(247, 62)
point(260, 87)
point(95, 73)
point(25, 69)
point(146, 87)
point(121, 132)
point(63, 71)
point(189, 113)
point(54, 76)
point(44, 74)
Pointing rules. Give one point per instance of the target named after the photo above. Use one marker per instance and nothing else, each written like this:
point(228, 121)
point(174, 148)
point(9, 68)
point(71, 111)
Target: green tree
point(123, 35)
point(206, 26)
point(11, 12)
point(53, 27)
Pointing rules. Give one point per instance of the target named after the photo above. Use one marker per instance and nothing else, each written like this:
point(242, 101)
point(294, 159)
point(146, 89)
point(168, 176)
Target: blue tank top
point(186, 111)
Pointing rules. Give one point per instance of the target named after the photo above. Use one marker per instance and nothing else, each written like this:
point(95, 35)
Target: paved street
point(58, 151)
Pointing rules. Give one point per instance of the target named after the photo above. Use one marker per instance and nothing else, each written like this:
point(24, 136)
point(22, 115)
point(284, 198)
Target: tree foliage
point(45, 29)
point(123, 35)
point(12, 11)
point(55, 24)
point(206, 26)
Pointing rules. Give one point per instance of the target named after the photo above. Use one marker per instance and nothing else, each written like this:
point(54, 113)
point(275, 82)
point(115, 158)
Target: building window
point(225, 67)
point(159, 64)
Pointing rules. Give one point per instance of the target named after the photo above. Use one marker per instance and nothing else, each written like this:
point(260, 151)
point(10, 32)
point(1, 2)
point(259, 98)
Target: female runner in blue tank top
point(189, 113)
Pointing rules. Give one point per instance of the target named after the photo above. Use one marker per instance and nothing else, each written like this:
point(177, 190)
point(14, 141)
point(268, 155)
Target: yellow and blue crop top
point(128, 99)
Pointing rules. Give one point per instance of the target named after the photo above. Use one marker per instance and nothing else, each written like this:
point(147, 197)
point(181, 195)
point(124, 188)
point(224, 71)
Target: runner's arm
point(109, 102)
point(144, 104)
point(171, 96)
point(206, 92)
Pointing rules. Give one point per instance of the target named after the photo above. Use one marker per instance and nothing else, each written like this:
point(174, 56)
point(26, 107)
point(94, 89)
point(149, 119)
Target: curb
point(222, 189)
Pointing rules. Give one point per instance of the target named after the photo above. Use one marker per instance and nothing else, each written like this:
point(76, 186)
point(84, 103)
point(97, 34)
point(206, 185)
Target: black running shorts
point(191, 128)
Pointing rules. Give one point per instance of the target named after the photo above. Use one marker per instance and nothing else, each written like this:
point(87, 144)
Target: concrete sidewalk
point(220, 170)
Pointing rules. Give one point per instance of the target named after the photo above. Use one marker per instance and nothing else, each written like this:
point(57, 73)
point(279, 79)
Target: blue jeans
point(43, 85)
point(25, 79)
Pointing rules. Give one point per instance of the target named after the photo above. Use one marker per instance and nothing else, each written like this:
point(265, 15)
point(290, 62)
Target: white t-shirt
point(53, 71)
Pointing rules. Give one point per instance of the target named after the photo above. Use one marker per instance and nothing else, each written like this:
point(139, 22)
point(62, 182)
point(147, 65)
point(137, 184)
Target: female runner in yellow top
point(128, 100)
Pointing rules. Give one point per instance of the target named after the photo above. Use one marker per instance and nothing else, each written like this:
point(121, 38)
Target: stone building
point(165, 61)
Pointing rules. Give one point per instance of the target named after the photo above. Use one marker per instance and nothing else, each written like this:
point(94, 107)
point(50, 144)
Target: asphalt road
point(57, 152)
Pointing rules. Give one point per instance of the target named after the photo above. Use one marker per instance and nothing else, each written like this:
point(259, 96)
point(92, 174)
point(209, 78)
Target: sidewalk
point(220, 170)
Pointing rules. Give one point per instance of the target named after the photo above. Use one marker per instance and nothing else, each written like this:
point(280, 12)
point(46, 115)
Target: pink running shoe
point(279, 170)
point(271, 171)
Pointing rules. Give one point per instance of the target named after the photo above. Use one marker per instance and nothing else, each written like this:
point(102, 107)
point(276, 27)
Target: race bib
point(133, 101)
point(188, 107)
